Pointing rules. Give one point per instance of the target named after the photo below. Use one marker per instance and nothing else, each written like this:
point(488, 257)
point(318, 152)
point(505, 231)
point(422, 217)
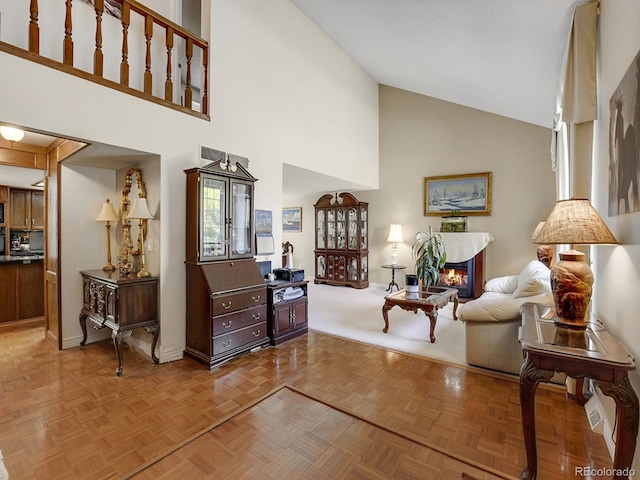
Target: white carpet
point(4, 475)
point(357, 315)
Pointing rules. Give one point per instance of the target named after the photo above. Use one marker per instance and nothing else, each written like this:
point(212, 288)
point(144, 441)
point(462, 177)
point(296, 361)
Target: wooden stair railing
point(150, 18)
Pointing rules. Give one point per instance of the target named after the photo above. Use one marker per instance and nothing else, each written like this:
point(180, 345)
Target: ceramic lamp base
point(571, 282)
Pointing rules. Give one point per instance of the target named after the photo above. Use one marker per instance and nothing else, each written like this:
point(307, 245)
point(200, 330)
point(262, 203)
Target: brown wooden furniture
point(341, 254)
point(27, 209)
point(21, 288)
point(393, 276)
point(121, 303)
point(429, 301)
point(288, 317)
point(226, 293)
point(580, 353)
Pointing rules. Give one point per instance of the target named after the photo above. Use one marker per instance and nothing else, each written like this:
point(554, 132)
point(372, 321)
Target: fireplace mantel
point(462, 246)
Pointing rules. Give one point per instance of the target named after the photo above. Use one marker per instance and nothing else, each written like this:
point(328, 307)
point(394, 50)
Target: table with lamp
point(395, 239)
point(570, 339)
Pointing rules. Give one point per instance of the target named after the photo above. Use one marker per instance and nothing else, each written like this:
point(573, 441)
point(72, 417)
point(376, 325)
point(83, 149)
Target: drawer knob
point(226, 324)
point(226, 343)
point(256, 316)
point(226, 306)
point(256, 334)
point(256, 299)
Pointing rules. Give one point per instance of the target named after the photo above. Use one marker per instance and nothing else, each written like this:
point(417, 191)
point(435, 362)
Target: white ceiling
point(499, 56)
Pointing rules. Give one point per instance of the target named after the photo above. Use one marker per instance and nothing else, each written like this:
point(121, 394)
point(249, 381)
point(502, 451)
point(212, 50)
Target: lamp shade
point(11, 134)
point(108, 213)
point(140, 209)
point(536, 231)
point(574, 222)
point(395, 233)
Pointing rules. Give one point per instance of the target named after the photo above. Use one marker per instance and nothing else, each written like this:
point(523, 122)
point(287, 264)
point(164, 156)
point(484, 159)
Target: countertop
point(21, 258)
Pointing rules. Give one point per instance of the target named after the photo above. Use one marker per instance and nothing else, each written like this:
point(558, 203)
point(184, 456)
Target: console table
point(121, 303)
point(580, 353)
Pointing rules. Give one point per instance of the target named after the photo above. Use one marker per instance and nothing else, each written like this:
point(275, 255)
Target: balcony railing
point(147, 22)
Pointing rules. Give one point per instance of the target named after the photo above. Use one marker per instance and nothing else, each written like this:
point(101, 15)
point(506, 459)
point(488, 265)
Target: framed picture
point(292, 219)
point(468, 194)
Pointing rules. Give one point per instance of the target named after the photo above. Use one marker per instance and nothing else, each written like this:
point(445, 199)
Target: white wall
point(280, 91)
point(421, 136)
point(616, 269)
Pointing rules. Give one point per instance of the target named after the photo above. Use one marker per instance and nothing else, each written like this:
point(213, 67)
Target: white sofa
point(492, 320)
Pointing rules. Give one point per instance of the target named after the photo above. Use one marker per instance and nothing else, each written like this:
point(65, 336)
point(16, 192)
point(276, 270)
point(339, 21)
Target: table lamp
point(140, 211)
point(395, 238)
point(108, 214)
point(543, 252)
point(573, 222)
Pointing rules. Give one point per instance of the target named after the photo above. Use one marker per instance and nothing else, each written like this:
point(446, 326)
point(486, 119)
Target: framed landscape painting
point(292, 219)
point(468, 194)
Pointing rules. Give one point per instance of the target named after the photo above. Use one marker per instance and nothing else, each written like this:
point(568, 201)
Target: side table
point(580, 353)
point(393, 276)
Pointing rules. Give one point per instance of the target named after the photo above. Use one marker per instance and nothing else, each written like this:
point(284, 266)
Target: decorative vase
point(571, 282)
point(411, 283)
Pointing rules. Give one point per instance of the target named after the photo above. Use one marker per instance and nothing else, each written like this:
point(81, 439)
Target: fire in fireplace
point(466, 276)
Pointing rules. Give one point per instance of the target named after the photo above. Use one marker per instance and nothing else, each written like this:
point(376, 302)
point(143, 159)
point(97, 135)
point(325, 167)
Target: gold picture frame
point(464, 195)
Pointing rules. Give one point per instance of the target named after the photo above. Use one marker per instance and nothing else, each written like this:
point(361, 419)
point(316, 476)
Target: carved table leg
point(83, 325)
point(153, 330)
point(118, 338)
point(455, 307)
point(627, 422)
point(385, 308)
point(432, 313)
point(530, 377)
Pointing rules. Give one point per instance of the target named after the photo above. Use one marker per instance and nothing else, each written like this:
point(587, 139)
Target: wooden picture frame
point(292, 219)
point(467, 194)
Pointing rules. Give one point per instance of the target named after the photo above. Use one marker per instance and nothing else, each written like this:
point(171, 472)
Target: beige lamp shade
point(574, 222)
point(140, 209)
point(108, 213)
point(395, 233)
point(536, 231)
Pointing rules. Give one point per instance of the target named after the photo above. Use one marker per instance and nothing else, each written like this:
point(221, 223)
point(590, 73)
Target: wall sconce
point(140, 211)
point(573, 222)
point(395, 238)
point(108, 214)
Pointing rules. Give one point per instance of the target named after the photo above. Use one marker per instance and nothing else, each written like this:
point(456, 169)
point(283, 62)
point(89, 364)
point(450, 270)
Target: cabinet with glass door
point(341, 253)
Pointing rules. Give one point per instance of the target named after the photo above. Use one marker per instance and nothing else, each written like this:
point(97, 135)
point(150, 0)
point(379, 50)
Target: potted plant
point(429, 256)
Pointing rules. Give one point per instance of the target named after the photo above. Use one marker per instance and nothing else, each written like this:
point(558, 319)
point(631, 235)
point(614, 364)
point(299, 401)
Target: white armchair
point(492, 321)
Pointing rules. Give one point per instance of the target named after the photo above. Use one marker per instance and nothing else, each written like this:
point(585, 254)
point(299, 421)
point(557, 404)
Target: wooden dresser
point(288, 313)
point(121, 303)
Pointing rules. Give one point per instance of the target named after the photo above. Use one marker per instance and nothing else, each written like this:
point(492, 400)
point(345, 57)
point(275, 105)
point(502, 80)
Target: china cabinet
point(341, 253)
point(226, 293)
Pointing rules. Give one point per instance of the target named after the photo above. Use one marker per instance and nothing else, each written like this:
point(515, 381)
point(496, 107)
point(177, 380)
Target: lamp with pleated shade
point(108, 214)
point(140, 211)
point(573, 222)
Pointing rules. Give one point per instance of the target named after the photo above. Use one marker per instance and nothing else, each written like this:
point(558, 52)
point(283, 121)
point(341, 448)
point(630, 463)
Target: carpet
point(357, 315)
point(4, 475)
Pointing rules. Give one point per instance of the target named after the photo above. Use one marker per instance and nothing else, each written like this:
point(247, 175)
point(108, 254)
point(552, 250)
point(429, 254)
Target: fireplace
point(466, 276)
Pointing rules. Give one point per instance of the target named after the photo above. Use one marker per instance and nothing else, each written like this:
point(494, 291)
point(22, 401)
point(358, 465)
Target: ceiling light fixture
point(11, 134)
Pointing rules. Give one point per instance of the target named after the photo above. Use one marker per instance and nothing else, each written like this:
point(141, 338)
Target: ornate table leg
point(385, 308)
point(83, 325)
point(118, 338)
point(530, 377)
point(153, 330)
point(627, 422)
point(432, 313)
point(455, 306)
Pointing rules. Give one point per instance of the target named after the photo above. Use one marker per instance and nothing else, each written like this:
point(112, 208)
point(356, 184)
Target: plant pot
point(411, 283)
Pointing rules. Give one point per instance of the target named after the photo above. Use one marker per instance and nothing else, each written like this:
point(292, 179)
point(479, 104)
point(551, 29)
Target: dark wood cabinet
point(121, 303)
point(226, 293)
point(288, 318)
point(21, 290)
point(27, 209)
point(342, 245)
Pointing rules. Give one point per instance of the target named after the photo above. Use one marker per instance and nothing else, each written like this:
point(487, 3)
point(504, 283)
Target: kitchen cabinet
point(342, 250)
point(22, 290)
point(288, 318)
point(226, 293)
point(27, 209)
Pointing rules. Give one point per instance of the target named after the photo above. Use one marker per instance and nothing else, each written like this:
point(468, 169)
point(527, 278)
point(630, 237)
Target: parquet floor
point(65, 415)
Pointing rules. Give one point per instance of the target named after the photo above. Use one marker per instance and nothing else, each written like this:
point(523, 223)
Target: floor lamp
point(108, 214)
point(140, 211)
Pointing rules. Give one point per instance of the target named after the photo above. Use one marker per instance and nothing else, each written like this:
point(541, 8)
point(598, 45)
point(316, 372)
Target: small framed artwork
point(292, 219)
point(468, 194)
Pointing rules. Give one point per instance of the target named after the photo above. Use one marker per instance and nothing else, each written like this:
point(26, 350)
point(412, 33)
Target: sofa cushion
point(506, 284)
point(533, 280)
point(497, 307)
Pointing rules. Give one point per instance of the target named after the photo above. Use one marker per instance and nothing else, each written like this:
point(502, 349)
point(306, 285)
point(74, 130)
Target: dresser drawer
point(240, 339)
point(223, 304)
point(234, 321)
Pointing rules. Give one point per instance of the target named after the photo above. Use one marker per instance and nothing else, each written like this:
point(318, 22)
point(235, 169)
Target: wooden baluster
point(34, 29)
point(148, 33)
point(67, 55)
point(188, 94)
point(205, 67)
point(98, 58)
point(124, 65)
point(168, 84)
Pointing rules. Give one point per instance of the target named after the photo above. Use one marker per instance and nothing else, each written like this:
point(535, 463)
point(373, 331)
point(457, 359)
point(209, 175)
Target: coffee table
point(429, 301)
